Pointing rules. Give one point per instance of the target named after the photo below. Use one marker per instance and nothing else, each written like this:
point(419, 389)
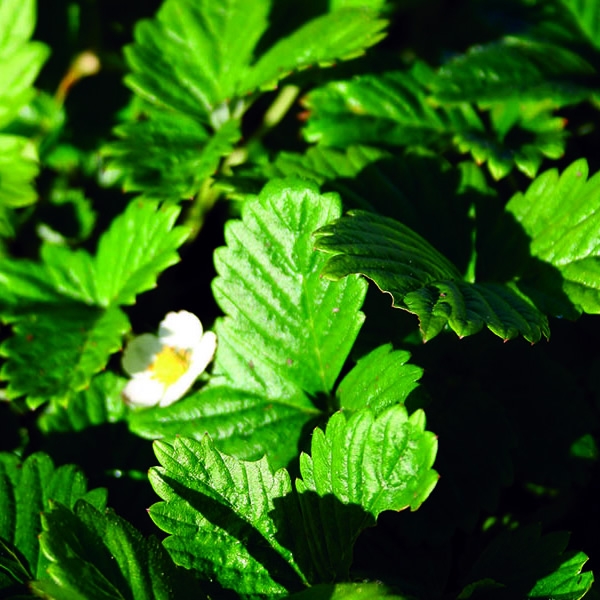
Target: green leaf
point(242, 424)
point(350, 591)
point(54, 353)
point(524, 564)
point(18, 169)
point(242, 524)
point(523, 134)
point(515, 68)
point(170, 154)
point(587, 16)
point(286, 333)
point(422, 281)
point(99, 555)
point(379, 380)
point(26, 488)
point(270, 274)
point(559, 214)
point(68, 303)
point(191, 57)
point(96, 405)
point(342, 34)
point(390, 108)
point(227, 518)
point(368, 465)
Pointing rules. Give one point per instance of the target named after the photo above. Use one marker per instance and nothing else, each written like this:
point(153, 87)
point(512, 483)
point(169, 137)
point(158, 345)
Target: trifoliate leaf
point(559, 214)
point(422, 281)
point(26, 488)
point(379, 380)
point(514, 68)
point(169, 155)
point(69, 302)
point(99, 555)
point(391, 108)
point(287, 331)
point(243, 525)
point(285, 337)
point(524, 564)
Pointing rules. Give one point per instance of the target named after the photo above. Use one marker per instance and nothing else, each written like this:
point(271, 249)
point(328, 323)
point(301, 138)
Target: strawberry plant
point(298, 300)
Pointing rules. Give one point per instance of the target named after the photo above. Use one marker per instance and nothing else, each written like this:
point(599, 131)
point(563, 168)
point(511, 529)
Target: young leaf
point(559, 214)
point(422, 281)
point(99, 555)
point(26, 488)
point(238, 522)
point(350, 591)
point(379, 380)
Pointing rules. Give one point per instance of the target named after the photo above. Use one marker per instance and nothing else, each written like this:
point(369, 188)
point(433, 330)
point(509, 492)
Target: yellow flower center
point(170, 364)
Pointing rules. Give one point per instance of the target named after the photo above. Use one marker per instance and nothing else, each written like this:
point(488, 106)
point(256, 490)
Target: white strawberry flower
point(163, 367)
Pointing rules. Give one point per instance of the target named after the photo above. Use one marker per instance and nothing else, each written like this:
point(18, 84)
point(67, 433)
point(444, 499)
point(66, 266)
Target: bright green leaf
point(422, 281)
point(287, 331)
point(559, 214)
point(587, 15)
point(390, 108)
point(342, 34)
point(99, 555)
point(227, 518)
point(379, 380)
point(358, 468)
point(524, 564)
point(169, 155)
point(350, 591)
point(238, 522)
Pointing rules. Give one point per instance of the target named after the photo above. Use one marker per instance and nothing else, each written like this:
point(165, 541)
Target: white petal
point(142, 390)
point(202, 354)
point(140, 353)
point(180, 330)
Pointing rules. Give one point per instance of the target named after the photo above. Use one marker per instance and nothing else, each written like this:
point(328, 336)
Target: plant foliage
point(305, 179)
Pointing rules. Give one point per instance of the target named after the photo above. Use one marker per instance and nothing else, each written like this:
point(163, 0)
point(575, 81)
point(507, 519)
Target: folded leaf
point(422, 281)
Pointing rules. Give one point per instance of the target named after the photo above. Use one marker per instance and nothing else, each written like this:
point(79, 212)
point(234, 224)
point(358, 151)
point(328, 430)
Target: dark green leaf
point(422, 281)
point(26, 488)
point(99, 555)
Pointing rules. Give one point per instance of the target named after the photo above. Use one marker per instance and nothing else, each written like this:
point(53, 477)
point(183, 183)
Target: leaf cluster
point(306, 178)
